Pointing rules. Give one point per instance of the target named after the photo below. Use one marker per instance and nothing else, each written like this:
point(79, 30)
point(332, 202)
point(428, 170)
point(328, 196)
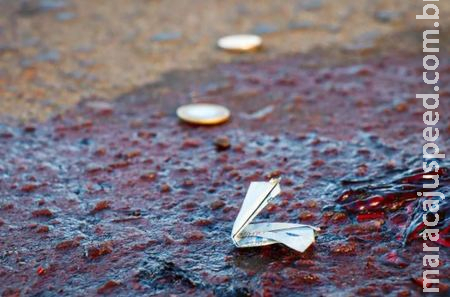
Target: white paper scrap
point(244, 234)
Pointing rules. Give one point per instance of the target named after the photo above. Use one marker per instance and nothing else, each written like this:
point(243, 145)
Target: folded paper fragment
point(244, 234)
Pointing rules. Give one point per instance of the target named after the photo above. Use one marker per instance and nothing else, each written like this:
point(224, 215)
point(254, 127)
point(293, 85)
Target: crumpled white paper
point(244, 234)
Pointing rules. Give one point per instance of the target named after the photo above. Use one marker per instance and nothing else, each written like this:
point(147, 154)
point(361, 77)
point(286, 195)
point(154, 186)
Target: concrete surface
point(53, 53)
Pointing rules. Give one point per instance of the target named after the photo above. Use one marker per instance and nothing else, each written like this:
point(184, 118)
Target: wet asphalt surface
point(109, 193)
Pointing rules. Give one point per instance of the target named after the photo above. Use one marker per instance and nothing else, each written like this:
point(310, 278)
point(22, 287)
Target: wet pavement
point(114, 195)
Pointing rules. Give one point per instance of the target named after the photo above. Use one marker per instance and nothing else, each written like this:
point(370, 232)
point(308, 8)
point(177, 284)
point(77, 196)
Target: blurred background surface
point(53, 53)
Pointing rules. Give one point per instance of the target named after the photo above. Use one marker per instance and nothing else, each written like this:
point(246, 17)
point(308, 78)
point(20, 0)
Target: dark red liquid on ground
point(124, 199)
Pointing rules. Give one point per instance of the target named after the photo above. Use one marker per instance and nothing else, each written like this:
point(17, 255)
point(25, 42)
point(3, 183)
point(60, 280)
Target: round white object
point(243, 42)
point(203, 113)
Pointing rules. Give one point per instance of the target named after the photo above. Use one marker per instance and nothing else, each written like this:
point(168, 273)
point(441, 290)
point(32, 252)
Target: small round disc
point(242, 43)
point(203, 113)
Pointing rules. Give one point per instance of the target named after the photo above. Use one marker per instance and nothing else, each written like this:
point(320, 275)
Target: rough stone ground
point(53, 53)
point(113, 195)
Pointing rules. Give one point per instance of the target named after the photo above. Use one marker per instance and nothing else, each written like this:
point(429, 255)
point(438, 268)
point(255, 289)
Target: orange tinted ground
point(55, 52)
point(120, 197)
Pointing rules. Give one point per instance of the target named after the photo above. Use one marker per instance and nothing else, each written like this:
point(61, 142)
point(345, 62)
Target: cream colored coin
point(242, 43)
point(203, 113)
